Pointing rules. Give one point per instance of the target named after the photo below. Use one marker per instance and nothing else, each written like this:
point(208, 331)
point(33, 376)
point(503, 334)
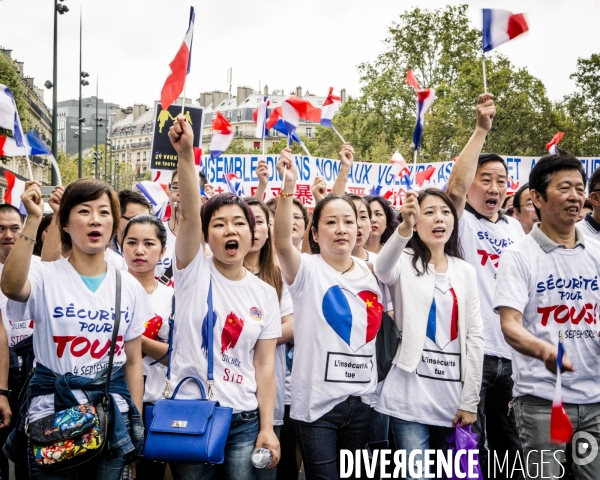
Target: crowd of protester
point(478, 285)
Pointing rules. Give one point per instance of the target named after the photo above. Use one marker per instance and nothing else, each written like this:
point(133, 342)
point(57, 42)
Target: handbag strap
point(210, 327)
point(115, 335)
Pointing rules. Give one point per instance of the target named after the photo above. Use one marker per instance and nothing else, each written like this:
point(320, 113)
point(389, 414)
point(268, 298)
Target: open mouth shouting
point(439, 232)
point(491, 203)
point(231, 247)
point(95, 236)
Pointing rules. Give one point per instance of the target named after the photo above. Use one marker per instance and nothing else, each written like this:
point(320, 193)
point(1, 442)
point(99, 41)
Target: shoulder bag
point(188, 431)
point(68, 439)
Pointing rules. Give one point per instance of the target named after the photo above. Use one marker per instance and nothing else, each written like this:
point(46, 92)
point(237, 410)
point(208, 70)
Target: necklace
point(350, 268)
point(154, 289)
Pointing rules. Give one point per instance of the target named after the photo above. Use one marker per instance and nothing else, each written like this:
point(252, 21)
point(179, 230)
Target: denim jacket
point(121, 442)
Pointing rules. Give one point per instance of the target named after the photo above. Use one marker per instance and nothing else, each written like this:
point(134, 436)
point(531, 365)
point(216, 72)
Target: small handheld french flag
point(294, 108)
point(425, 98)
point(400, 168)
point(15, 187)
point(500, 26)
point(561, 428)
point(157, 196)
point(236, 189)
point(260, 118)
point(330, 107)
point(222, 136)
point(9, 116)
point(552, 145)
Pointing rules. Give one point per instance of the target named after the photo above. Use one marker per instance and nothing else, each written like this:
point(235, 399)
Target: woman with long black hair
point(383, 223)
point(435, 380)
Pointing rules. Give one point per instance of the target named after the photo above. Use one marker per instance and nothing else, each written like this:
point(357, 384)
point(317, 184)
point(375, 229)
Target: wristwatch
point(6, 393)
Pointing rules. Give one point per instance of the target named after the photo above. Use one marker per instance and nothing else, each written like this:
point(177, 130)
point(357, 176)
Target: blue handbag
point(188, 431)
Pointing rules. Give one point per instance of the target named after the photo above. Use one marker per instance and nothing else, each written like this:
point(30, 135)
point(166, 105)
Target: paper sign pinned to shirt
point(439, 366)
point(346, 368)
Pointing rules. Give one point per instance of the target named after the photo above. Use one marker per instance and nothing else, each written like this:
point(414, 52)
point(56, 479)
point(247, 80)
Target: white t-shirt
point(589, 227)
point(436, 382)
point(73, 325)
point(156, 374)
point(556, 292)
point(163, 264)
point(246, 311)
point(483, 242)
point(16, 331)
point(385, 290)
point(286, 308)
point(114, 259)
point(336, 319)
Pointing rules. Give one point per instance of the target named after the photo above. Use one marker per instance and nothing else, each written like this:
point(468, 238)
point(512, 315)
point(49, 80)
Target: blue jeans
point(494, 423)
point(411, 436)
point(238, 454)
point(342, 428)
point(106, 467)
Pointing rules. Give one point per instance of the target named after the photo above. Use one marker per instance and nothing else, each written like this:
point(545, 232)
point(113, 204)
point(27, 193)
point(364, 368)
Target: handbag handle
point(115, 334)
point(210, 320)
point(195, 380)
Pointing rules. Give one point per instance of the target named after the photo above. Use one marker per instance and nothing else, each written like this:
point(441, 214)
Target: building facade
point(93, 108)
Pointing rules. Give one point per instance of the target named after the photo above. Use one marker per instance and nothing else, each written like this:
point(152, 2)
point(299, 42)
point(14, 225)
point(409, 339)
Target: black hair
point(314, 246)
point(174, 174)
point(268, 272)
point(220, 200)
point(203, 180)
point(491, 157)
point(130, 196)
point(39, 243)
point(272, 204)
point(161, 231)
point(543, 171)
point(358, 198)
point(8, 208)
point(588, 204)
point(420, 251)
point(391, 221)
point(517, 201)
point(594, 181)
point(506, 199)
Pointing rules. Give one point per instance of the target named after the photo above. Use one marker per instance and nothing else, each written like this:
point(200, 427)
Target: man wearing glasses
point(590, 225)
point(524, 209)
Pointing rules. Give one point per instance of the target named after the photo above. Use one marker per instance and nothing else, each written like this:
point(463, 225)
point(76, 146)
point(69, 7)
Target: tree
point(583, 108)
point(443, 51)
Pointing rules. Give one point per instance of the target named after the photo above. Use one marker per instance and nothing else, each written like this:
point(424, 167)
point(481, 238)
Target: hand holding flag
point(561, 428)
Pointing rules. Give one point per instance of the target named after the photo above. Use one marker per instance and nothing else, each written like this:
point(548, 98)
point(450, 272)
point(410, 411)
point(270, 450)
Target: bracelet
point(32, 240)
point(285, 195)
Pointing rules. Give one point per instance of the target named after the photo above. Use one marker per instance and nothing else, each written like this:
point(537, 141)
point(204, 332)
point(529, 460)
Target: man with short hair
point(548, 290)
point(590, 225)
point(12, 334)
point(524, 209)
point(477, 187)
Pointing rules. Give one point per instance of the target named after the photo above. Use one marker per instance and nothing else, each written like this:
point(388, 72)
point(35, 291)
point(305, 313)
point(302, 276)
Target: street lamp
point(107, 148)
point(61, 9)
point(82, 82)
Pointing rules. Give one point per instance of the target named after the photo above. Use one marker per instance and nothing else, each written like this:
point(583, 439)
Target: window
point(144, 156)
point(237, 131)
point(139, 157)
point(256, 145)
point(122, 157)
point(309, 132)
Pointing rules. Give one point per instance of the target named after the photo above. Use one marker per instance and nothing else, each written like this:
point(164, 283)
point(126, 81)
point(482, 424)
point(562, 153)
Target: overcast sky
point(311, 43)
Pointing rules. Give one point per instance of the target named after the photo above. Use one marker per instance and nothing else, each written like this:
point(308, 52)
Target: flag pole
point(305, 149)
point(29, 167)
point(338, 134)
point(183, 101)
point(484, 73)
point(414, 165)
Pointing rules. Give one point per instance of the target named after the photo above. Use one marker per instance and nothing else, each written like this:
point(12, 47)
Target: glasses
point(174, 187)
point(528, 206)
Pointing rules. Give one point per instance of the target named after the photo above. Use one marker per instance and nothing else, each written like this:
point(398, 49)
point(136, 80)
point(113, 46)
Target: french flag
point(330, 107)
point(9, 116)
point(236, 189)
point(552, 145)
point(157, 196)
point(425, 97)
point(180, 67)
point(561, 428)
point(294, 108)
point(400, 168)
point(15, 187)
point(222, 136)
point(500, 26)
point(260, 118)
point(281, 128)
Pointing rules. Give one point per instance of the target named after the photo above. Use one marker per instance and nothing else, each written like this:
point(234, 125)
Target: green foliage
point(237, 146)
point(444, 53)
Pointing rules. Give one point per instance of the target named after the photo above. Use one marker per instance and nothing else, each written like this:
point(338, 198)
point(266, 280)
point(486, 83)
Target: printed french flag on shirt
point(180, 67)
point(561, 428)
point(500, 26)
point(14, 189)
point(552, 145)
point(425, 98)
point(9, 116)
point(260, 119)
point(222, 135)
point(330, 107)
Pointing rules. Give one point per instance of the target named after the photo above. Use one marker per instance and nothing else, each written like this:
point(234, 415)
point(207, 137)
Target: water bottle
point(262, 457)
